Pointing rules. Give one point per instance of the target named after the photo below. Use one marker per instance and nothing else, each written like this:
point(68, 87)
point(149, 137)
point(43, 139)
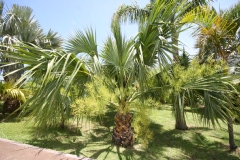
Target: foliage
point(94, 101)
point(12, 92)
point(207, 84)
point(62, 77)
point(166, 15)
point(184, 60)
point(195, 71)
point(214, 32)
point(53, 71)
point(142, 121)
point(18, 24)
point(82, 42)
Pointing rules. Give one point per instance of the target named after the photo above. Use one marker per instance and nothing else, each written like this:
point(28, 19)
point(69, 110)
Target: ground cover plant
point(94, 140)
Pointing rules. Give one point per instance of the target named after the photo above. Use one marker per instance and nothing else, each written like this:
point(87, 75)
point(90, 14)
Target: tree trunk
point(179, 113)
point(180, 123)
point(62, 125)
point(175, 37)
point(10, 105)
point(232, 144)
point(123, 132)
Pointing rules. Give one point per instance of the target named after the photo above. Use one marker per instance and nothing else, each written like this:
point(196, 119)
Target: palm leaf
point(60, 72)
point(83, 42)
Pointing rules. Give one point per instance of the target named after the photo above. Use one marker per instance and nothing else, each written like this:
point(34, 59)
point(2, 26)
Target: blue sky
point(63, 16)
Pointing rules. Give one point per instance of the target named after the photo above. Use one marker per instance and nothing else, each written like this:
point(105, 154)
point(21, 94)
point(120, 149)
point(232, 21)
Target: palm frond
point(217, 92)
point(12, 92)
point(60, 72)
point(83, 42)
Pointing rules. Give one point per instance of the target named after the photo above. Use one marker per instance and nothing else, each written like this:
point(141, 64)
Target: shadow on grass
point(59, 139)
point(166, 144)
point(9, 117)
point(97, 144)
point(191, 144)
point(107, 119)
point(104, 147)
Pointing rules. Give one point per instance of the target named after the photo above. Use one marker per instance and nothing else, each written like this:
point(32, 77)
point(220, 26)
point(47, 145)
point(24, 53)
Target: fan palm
point(121, 66)
point(18, 24)
point(119, 59)
point(56, 73)
point(61, 71)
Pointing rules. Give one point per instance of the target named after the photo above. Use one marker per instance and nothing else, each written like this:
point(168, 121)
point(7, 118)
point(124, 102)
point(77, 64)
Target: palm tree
point(18, 24)
point(207, 84)
point(121, 66)
point(232, 14)
point(124, 64)
point(56, 73)
point(171, 16)
point(215, 33)
point(151, 47)
point(161, 21)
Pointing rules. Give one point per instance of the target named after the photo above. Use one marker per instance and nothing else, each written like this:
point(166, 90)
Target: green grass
point(94, 140)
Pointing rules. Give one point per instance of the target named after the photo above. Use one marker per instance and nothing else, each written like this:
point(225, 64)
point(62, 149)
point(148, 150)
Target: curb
point(11, 150)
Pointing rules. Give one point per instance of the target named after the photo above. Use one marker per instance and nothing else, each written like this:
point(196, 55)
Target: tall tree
point(18, 24)
point(216, 35)
point(166, 17)
point(119, 58)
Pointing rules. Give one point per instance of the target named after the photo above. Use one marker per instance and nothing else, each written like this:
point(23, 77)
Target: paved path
point(10, 150)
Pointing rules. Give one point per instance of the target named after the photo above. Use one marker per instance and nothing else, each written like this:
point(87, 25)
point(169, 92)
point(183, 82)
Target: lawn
point(94, 140)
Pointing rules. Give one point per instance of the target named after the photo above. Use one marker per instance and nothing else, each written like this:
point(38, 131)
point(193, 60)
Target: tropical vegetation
point(127, 76)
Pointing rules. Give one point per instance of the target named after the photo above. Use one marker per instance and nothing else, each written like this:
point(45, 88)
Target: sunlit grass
point(94, 140)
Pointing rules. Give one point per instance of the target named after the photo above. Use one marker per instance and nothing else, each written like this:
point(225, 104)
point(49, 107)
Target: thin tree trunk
point(175, 51)
point(232, 144)
point(62, 126)
point(179, 113)
point(123, 132)
point(180, 123)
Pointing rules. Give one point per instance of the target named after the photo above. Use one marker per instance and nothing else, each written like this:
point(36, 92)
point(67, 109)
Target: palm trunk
point(123, 132)
point(62, 125)
point(175, 37)
point(10, 105)
point(232, 144)
point(179, 113)
point(180, 123)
